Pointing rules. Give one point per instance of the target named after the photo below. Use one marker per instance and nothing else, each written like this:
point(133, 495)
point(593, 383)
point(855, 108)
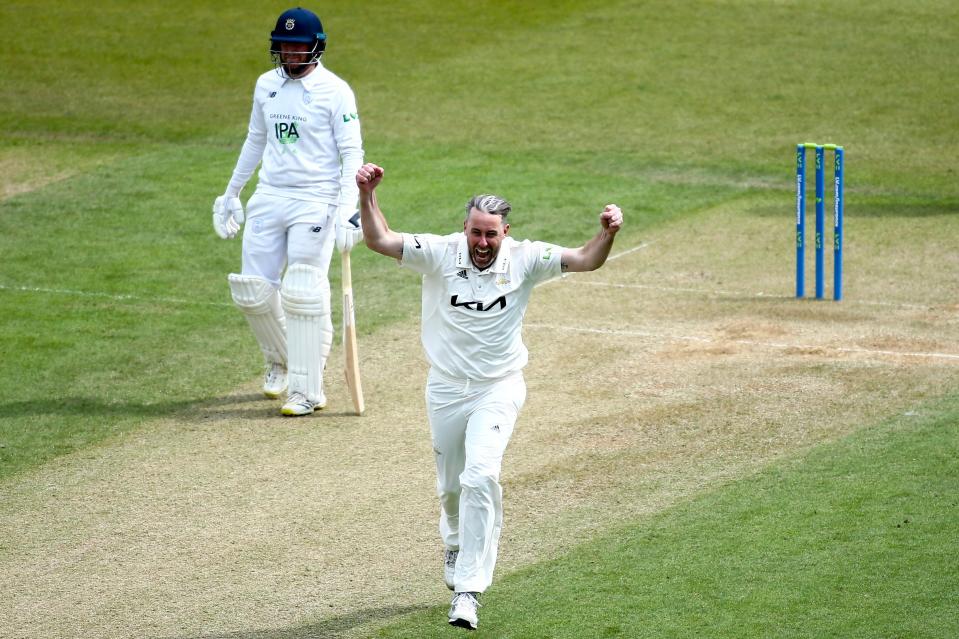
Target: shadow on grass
point(326, 629)
point(35, 431)
point(97, 407)
point(228, 407)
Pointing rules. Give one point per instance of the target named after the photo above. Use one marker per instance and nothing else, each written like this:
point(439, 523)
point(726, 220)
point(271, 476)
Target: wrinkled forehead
point(483, 221)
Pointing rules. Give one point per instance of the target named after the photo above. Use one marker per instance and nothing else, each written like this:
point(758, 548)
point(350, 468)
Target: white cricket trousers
point(471, 423)
point(280, 229)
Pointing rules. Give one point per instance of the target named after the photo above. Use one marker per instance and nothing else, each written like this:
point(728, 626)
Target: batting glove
point(227, 216)
point(349, 233)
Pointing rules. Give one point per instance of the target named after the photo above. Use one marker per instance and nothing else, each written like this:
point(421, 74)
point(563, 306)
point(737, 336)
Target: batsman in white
point(305, 130)
point(476, 286)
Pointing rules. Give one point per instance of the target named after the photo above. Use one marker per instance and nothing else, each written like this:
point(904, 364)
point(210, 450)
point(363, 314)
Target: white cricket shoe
point(449, 567)
point(274, 382)
point(297, 404)
point(463, 610)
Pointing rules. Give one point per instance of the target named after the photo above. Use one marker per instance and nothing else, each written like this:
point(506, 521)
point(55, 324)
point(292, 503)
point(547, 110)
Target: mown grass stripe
point(854, 539)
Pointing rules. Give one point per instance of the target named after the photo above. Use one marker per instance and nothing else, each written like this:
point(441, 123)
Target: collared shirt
point(472, 320)
point(307, 134)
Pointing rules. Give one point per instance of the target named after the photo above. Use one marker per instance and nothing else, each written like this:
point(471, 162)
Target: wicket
point(820, 218)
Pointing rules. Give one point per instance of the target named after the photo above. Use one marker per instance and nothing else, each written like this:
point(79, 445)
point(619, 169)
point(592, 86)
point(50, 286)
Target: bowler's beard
point(491, 255)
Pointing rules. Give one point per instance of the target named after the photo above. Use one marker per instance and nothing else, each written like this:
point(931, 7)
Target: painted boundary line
point(564, 276)
point(715, 292)
point(746, 342)
point(615, 256)
point(110, 296)
point(723, 293)
point(162, 300)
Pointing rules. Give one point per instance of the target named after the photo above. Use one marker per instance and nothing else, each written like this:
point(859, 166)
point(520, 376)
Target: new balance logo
point(479, 306)
point(462, 274)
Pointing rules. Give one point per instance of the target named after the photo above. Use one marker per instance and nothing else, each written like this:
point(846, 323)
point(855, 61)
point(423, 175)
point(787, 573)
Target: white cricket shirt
point(472, 320)
point(303, 130)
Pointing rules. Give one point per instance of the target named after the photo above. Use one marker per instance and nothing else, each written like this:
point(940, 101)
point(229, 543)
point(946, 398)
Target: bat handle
point(347, 279)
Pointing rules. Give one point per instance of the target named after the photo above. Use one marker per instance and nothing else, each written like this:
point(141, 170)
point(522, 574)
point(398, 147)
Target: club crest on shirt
point(502, 281)
point(307, 97)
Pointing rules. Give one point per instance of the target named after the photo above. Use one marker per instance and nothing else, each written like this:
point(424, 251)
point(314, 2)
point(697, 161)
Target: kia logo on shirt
point(479, 306)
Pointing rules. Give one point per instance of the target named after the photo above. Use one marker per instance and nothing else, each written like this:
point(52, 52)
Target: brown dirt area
point(670, 371)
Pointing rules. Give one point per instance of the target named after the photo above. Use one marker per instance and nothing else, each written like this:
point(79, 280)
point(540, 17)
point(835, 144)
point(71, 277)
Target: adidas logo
point(462, 274)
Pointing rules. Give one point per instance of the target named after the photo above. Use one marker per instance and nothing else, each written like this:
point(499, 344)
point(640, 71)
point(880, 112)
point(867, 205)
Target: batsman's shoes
point(449, 567)
point(463, 610)
point(297, 404)
point(274, 382)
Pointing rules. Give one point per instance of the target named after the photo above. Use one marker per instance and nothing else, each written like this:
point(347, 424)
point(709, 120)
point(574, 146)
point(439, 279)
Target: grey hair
point(488, 203)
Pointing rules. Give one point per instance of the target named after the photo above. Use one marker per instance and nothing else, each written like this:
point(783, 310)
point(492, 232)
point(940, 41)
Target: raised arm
point(593, 254)
point(376, 232)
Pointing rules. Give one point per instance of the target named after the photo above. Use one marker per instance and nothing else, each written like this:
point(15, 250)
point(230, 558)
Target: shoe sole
point(290, 412)
point(462, 623)
point(273, 395)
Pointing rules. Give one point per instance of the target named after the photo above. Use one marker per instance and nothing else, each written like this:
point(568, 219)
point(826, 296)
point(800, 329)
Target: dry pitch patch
point(23, 169)
point(679, 366)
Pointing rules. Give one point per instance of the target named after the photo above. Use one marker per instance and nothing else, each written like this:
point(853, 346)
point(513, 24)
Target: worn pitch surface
point(684, 363)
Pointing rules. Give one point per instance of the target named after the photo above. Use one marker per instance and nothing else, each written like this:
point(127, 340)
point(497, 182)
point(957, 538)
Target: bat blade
point(350, 349)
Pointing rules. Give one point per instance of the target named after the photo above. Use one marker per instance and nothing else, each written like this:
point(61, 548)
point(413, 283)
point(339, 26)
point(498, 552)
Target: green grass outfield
point(113, 148)
point(854, 540)
point(120, 125)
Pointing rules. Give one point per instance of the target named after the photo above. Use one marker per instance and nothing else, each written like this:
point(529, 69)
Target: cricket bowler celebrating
point(476, 286)
point(305, 130)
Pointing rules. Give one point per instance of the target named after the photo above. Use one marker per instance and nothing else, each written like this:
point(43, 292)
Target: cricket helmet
point(301, 26)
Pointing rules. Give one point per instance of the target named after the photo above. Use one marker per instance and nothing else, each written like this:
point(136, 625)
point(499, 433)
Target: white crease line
point(611, 257)
point(135, 298)
point(628, 251)
point(681, 289)
point(707, 340)
point(111, 296)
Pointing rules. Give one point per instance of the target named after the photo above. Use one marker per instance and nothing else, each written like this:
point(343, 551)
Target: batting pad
point(260, 302)
point(309, 328)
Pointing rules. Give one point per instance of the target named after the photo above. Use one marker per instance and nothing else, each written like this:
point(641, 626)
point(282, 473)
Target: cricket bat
point(349, 337)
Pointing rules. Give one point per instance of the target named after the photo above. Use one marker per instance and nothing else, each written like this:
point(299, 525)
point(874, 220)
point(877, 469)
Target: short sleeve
point(423, 253)
point(544, 261)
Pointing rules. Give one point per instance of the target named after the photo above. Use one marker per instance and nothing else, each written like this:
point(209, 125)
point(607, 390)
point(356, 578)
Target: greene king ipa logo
point(286, 132)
